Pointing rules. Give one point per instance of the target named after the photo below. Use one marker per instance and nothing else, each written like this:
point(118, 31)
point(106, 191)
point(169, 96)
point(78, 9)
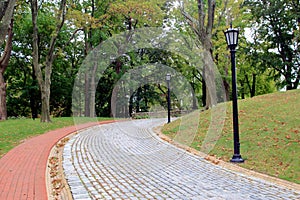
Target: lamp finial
point(230, 24)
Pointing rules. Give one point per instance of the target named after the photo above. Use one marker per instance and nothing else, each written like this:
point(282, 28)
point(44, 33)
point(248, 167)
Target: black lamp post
point(168, 79)
point(231, 35)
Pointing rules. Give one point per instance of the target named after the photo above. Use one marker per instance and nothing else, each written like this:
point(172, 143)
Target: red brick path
point(23, 169)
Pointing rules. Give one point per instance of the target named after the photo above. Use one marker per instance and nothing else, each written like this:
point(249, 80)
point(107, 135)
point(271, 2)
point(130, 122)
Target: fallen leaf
point(259, 144)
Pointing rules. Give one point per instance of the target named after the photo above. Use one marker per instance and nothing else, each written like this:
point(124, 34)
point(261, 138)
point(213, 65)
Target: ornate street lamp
point(168, 79)
point(231, 35)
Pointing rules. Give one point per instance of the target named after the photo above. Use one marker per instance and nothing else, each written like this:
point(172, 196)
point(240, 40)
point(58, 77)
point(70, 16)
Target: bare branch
point(61, 21)
point(194, 24)
point(210, 20)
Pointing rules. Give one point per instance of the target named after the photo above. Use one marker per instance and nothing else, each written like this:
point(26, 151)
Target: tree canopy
point(51, 40)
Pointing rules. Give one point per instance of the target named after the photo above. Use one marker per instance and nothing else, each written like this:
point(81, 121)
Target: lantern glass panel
point(168, 77)
point(232, 39)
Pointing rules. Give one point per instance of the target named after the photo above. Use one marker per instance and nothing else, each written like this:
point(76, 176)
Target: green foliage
point(269, 134)
point(226, 12)
point(135, 14)
point(276, 34)
point(88, 24)
point(23, 91)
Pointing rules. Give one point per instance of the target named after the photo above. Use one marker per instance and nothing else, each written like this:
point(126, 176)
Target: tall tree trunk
point(90, 85)
point(204, 34)
point(6, 13)
point(45, 91)
point(44, 79)
point(4, 59)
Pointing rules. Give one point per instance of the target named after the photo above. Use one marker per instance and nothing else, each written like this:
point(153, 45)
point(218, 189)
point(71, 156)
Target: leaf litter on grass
point(269, 134)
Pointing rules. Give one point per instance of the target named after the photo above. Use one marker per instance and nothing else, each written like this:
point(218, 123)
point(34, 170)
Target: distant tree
point(106, 19)
point(277, 24)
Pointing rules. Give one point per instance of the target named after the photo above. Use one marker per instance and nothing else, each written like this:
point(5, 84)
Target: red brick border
point(23, 169)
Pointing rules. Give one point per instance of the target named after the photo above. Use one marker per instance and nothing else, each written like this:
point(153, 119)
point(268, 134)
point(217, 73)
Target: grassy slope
point(14, 131)
point(269, 134)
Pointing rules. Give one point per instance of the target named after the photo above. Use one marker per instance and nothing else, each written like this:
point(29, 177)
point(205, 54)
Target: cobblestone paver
point(126, 160)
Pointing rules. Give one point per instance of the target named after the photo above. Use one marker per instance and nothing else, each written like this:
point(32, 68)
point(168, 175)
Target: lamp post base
point(237, 158)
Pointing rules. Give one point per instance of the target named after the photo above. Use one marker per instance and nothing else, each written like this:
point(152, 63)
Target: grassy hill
point(269, 134)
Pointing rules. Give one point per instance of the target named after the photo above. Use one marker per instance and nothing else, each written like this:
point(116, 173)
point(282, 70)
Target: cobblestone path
point(126, 160)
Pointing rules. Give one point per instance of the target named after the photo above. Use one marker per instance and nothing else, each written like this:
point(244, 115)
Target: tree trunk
point(87, 95)
point(93, 91)
point(253, 90)
point(203, 92)
point(87, 77)
point(35, 57)
point(44, 79)
point(45, 90)
point(204, 34)
point(145, 98)
point(194, 105)
point(45, 115)
point(3, 65)
point(3, 110)
point(243, 89)
point(90, 85)
point(6, 13)
point(209, 78)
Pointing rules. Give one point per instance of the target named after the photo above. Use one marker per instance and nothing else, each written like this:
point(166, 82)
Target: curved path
point(23, 169)
point(126, 160)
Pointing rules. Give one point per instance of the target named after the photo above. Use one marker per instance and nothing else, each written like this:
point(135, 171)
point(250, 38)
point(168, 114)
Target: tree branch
point(201, 14)
point(6, 19)
point(61, 19)
point(71, 38)
point(221, 16)
point(159, 87)
point(35, 47)
point(191, 21)
point(211, 17)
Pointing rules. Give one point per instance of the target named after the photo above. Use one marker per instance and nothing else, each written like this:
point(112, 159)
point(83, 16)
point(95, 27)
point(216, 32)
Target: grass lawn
point(14, 131)
point(269, 134)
